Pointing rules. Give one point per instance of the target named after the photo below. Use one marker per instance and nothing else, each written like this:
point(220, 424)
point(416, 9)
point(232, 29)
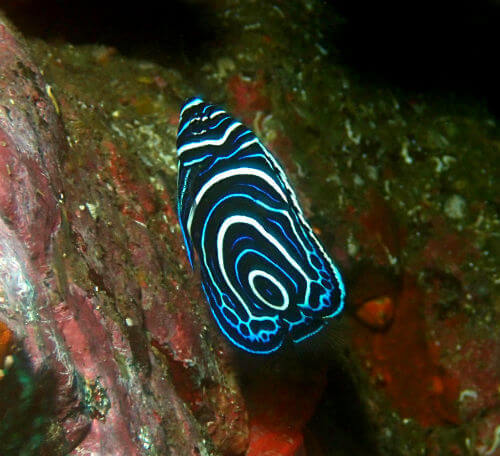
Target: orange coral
point(376, 313)
point(5, 341)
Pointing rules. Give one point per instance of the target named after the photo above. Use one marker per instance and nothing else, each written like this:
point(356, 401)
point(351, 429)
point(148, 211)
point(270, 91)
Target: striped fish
point(266, 276)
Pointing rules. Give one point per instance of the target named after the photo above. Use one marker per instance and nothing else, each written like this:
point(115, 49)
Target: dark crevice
point(439, 48)
point(159, 31)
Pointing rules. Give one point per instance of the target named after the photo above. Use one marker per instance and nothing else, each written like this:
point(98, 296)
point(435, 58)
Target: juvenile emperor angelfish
point(266, 276)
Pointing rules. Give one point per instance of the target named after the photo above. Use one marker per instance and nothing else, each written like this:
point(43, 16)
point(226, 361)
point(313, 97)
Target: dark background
point(443, 47)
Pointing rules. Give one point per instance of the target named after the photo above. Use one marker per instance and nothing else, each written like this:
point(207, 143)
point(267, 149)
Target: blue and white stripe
point(266, 276)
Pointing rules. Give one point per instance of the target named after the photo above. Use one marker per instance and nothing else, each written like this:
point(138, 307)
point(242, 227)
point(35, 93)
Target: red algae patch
point(247, 96)
point(279, 408)
point(401, 362)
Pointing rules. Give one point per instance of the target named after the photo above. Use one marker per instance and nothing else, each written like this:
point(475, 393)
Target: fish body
point(267, 278)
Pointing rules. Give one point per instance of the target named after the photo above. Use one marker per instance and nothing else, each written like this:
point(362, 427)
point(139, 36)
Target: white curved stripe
point(192, 103)
point(217, 112)
point(196, 160)
point(225, 175)
point(209, 142)
point(246, 144)
point(258, 273)
point(220, 254)
point(269, 156)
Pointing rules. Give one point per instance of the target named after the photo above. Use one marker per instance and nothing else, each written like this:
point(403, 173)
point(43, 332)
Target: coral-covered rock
point(113, 347)
point(280, 405)
point(401, 360)
point(89, 286)
point(247, 96)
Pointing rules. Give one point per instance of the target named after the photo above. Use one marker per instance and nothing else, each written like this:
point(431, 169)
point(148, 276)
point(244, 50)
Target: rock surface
point(97, 291)
point(93, 296)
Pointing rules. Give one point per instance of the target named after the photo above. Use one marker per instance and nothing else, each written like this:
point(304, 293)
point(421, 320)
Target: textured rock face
point(91, 298)
point(109, 329)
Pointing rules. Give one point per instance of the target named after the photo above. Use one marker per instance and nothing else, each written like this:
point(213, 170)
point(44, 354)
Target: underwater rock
point(31, 137)
point(83, 287)
point(280, 407)
point(375, 168)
